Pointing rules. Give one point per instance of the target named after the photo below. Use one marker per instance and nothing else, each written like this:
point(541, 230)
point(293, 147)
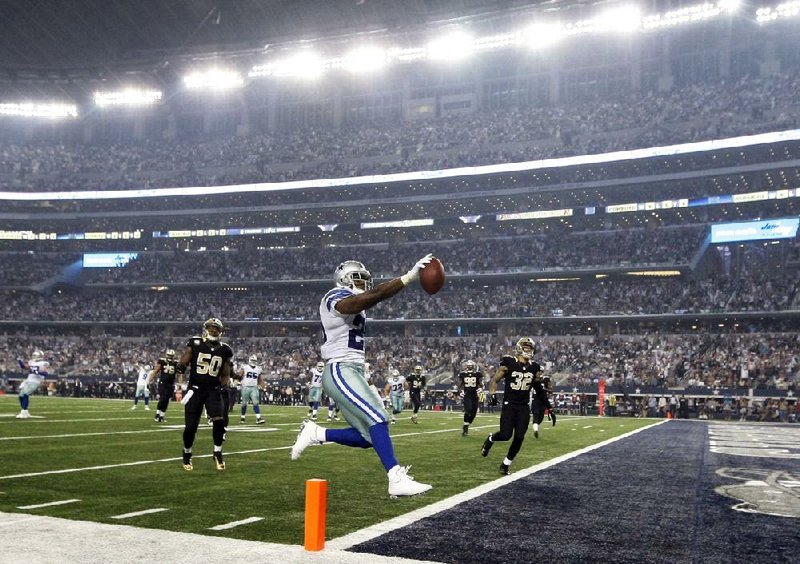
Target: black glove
point(493, 399)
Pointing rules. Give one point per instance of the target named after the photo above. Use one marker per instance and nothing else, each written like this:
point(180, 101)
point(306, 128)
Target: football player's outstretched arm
point(359, 302)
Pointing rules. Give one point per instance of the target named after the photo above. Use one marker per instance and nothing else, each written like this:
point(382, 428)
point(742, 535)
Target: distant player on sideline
point(38, 369)
point(209, 363)
point(167, 367)
point(416, 383)
point(315, 389)
point(470, 381)
point(342, 312)
point(520, 373)
point(141, 387)
point(395, 390)
point(252, 384)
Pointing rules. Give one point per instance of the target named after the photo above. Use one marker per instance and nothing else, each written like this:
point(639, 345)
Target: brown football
point(431, 278)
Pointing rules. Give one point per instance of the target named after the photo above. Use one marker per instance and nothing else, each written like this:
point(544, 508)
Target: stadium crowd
point(696, 112)
point(765, 361)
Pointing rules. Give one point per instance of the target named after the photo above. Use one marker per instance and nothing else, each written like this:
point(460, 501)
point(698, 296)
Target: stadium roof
point(97, 35)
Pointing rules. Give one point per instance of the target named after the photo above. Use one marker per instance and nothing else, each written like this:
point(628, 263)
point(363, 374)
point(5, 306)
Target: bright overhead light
point(29, 109)
point(364, 59)
point(452, 47)
point(214, 79)
point(623, 19)
point(542, 35)
point(305, 64)
point(127, 97)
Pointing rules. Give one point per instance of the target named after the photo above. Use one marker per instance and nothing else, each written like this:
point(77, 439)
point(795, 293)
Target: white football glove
point(413, 274)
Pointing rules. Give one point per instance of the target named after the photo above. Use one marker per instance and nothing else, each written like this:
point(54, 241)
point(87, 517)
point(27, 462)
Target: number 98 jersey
point(519, 380)
point(208, 360)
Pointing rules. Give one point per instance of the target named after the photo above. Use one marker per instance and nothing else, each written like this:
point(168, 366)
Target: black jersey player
point(470, 381)
point(520, 375)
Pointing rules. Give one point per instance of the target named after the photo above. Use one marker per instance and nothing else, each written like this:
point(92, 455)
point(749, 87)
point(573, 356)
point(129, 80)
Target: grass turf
point(140, 466)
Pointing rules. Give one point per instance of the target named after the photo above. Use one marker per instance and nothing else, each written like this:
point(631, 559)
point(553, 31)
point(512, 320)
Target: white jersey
point(251, 376)
point(316, 378)
point(37, 370)
point(143, 375)
point(396, 385)
point(344, 334)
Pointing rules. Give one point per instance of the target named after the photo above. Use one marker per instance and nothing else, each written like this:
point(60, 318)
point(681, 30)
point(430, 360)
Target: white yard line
point(233, 524)
point(142, 512)
point(49, 504)
point(369, 533)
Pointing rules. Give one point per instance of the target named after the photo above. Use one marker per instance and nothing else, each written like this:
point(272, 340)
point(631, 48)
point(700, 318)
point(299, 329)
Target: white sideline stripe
point(137, 513)
point(233, 524)
point(43, 420)
point(357, 537)
point(37, 506)
point(66, 436)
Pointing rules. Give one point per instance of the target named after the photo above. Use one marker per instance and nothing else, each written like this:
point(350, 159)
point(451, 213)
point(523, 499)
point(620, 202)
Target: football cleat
point(486, 447)
point(241, 419)
point(210, 422)
point(314, 417)
point(401, 484)
point(305, 438)
point(147, 408)
point(218, 462)
point(394, 421)
point(336, 418)
point(259, 421)
point(536, 434)
point(504, 469)
point(330, 418)
point(132, 408)
point(187, 461)
point(414, 419)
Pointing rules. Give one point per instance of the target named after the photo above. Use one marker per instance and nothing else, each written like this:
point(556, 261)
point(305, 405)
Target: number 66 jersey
point(208, 359)
point(520, 379)
point(344, 334)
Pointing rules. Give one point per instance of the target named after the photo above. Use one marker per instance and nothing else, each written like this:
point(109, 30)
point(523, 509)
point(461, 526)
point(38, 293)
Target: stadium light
point(305, 64)
point(452, 47)
point(214, 79)
point(543, 35)
point(49, 111)
point(624, 19)
point(127, 97)
point(785, 10)
point(365, 59)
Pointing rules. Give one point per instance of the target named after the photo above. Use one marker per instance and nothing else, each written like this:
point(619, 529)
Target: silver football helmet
point(37, 355)
point(213, 322)
point(525, 347)
point(469, 366)
point(170, 354)
point(320, 366)
point(354, 275)
point(253, 360)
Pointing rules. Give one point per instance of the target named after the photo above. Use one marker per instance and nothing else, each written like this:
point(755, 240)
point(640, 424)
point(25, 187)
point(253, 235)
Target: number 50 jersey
point(208, 359)
point(344, 334)
point(520, 379)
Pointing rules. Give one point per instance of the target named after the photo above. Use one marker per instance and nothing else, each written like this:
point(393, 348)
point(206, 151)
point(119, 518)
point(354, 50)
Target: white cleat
point(134, 407)
point(401, 484)
point(147, 408)
point(23, 415)
point(305, 438)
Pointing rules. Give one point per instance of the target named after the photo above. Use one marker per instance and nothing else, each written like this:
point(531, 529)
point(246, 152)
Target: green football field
point(115, 461)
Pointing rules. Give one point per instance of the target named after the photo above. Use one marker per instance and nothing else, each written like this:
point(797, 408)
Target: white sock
point(217, 448)
point(319, 434)
point(535, 426)
point(506, 461)
point(187, 450)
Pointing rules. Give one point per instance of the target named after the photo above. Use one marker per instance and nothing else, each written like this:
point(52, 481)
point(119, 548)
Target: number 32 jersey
point(344, 334)
point(208, 359)
point(520, 379)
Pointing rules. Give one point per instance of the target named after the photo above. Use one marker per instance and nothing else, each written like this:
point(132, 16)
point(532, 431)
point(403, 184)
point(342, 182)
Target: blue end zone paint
point(647, 498)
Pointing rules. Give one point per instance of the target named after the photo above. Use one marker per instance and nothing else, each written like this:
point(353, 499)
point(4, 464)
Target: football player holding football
point(342, 312)
point(520, 375)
